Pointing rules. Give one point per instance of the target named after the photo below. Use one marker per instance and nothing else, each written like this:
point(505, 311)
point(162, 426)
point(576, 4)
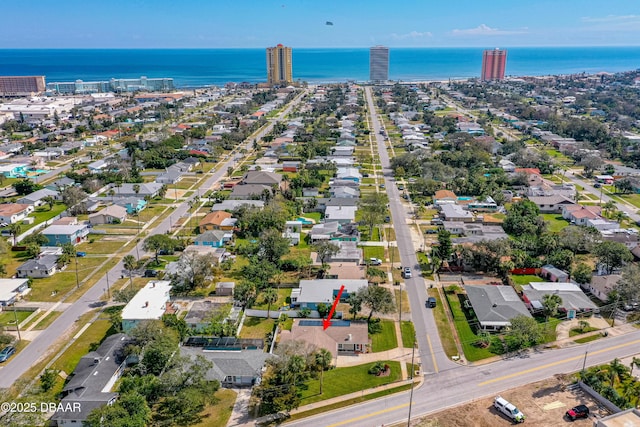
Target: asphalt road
point(430, 348)
point(37, 348)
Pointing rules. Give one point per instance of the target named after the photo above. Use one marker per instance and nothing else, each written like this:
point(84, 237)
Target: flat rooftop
point(149, 302)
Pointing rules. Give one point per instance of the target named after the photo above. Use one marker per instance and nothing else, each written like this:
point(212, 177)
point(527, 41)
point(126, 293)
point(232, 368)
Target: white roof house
point(312, 292)
point(341, 214)
point(149, 303)
point(12, 289)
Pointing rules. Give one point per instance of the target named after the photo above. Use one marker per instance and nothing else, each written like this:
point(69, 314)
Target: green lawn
point(524, 279)
point(467, 337)
point(9, 317)
point(444, 328)
point(556, 222)
point(386, 339)
point(100, 245)
point(43, 213)
point(373, 252)
point(408, 333)
point(341, 381)
point(588, 339)
point(93, 335)
point(256, 327)
point(317, 216)
point(61, 283)
point(284, 298)
point(218, 414)
point(577, 331)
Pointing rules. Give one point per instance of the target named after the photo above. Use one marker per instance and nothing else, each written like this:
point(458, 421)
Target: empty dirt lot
point(543, 403)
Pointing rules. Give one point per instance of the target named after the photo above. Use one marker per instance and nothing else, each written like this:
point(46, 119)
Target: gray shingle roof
point(495, 305)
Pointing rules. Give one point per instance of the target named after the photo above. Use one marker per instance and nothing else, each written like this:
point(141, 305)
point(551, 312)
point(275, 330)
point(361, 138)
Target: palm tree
point(48, 200)
point(323, 360)
point(270, 296)
point(550, 304)
point(129, 262)
point(162, 191)
point(14, 230)
point(111, 193)
point(609, 207)
point(136, 188)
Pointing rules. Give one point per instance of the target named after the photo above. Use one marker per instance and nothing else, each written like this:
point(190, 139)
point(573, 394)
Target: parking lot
point(543, 403)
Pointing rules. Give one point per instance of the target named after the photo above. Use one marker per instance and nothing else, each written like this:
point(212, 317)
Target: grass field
point(373, 252)
point(255, 327)
point(555, 221)
point(408, 334)
point(341, 381)
point(444, 328)
point(218, 414)
point(386, 339)
point(284, 297)
point(524, 279)
point(467, 337)
point(61, 283)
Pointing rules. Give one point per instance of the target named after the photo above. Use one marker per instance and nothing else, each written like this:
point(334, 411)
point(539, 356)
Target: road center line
point(373, 414)
point(570, 359)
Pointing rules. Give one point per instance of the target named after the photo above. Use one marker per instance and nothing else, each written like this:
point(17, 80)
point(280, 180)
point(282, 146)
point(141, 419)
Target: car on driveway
point(375, 261)
point(406, 272)
point(6, 353)
point(580, 411)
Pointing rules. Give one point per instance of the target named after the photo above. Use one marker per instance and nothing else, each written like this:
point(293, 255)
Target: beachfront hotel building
point(279, 65)
point(112, 85)
point(17, 86)
point(494, 63)
point(379, 64)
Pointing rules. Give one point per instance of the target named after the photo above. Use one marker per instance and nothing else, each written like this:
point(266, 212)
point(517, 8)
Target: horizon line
point(325, 47)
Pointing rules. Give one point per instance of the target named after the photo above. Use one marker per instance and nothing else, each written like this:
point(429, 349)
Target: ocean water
point(200, 67)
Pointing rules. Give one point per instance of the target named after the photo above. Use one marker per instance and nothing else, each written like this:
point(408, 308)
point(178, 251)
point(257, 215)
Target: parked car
point(597, 185)
point(150, 273)
point(406, 273)
point(400, 187)
point(503, 406)
point(431, 302)
point(381, 185)
point(580, 411)
point(375, 261)
point(387, 219)
point(81, 254)
point(6, 353)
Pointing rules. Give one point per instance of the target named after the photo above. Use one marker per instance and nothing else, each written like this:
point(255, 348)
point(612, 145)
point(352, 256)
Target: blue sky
point(302, 23)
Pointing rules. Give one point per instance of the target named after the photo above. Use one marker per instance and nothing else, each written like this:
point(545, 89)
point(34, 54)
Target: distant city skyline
point(313, 24)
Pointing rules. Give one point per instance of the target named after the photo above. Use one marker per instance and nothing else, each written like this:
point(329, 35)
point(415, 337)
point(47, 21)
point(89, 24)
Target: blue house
point(214, 238)
point(58, 235)
point(133, 205)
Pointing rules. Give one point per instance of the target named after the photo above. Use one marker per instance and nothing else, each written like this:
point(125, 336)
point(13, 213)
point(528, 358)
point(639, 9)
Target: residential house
point(150, 189)
point(217, 220)
point(507, 165)
point(348, 252)
point(270, 179)
point(455, 213)
point(92, 380)
point(344, 192)
point(579, 215)
point(343, 183)
point(473, 232)
point(495, 306)
point(602, 224)
point(290, 166)
point(218, 254)
point(444, 197)
point(553, 274)
point(344, 337)
point(171, 176)
point(247, 191)
point(231, 367)
point(97, 166)
point(486, 205)
point(12, 213)
point(11, 290)
point(334, 231)
point(133, 205)
point(58, 235)
point(230, 205)
point(225, 289)
point(551, 204)
point(349, 174)
point(36, 198)
point(215, 238)
point(601, 286)
point(573, 299)
point(627, 236)
point(341, 214)
point(343, 151)
point(310, 293)
point(150, 303)
point(292, 231)
point(37, 268)
point(113, 214)
point(61, 184)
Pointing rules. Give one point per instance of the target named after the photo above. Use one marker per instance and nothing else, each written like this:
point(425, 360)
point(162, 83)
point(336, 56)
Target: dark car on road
point(431, 302)
point(580, 411)
point(6, 353)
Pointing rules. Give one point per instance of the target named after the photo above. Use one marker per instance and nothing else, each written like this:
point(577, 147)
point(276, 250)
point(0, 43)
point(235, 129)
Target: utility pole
point(584, 362)
point(15, 316)
point(108, 291)
point(77, 280)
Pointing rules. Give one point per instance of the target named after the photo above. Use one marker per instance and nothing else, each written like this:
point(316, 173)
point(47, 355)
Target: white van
point(508, 409)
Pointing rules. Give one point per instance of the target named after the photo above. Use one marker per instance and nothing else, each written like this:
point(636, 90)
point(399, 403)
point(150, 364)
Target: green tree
point(444, 249)
point(524, 332)
point(157, 243)
point(245, 293)
point(325, 249)
point(48, 379)
point(130, 263)
point(49, 201)
point(323, 360)
point(33, 250)
point(14, 230)
point(26, 186)
point(372, 208)
point(523, 218)
point(323, 309)
point(550, 305)
point(612, 255)
point(355, 304)
point(272, 246)
point(628, 287)
point(582, 273)
point(377, 299)
point(270, 296)
point(130, 410)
